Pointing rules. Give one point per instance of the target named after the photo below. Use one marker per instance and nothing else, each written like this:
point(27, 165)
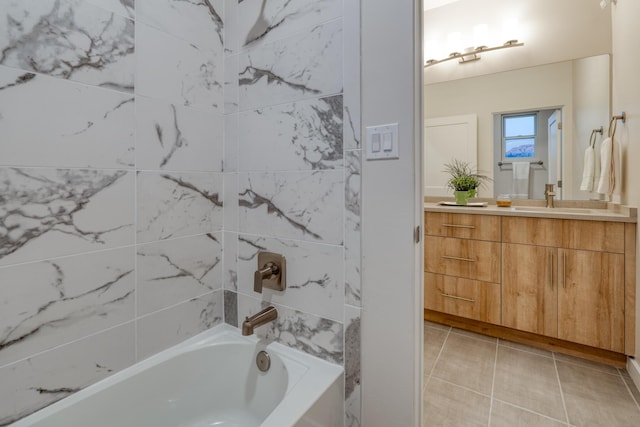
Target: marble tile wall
point(111, 188)
point(292, 173)
point(149, 149)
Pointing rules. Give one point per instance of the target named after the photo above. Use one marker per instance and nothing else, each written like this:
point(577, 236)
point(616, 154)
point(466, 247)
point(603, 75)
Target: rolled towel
point(589, 170)
point(607, 180)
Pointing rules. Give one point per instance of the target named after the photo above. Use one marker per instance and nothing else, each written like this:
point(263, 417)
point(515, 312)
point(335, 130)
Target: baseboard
point(619, 360)
point(633, 367)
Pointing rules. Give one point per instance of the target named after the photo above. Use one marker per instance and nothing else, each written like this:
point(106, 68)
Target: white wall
point(626, 97)
point(591, 108)
point(390, 333)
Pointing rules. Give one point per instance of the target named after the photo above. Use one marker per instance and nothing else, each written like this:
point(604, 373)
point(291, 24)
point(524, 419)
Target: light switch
point(387, 141)
point(375, 143)
point(382, 142)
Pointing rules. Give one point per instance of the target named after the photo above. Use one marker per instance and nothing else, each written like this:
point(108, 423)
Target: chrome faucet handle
point(264, 273)
point(271, 272)
point(549, 194)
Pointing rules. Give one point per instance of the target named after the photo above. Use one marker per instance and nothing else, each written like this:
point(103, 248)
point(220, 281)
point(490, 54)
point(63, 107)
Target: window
point(519, 136)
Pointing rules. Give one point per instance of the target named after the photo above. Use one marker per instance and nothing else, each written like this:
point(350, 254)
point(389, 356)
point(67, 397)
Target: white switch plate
point(378, 146)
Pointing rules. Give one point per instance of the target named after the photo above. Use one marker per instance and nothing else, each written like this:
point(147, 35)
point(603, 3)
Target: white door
point(447, 138)
point(555, 154)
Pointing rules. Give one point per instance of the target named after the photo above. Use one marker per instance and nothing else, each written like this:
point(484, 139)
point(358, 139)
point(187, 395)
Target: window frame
point(504, 139)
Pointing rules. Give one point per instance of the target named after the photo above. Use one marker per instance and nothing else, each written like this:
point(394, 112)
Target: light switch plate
point(382, 142)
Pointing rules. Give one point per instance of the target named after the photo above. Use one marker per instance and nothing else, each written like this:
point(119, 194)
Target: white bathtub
point(209, 380)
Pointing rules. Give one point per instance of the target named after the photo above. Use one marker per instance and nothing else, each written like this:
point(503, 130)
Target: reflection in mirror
point(566, 101)
point(560, 79)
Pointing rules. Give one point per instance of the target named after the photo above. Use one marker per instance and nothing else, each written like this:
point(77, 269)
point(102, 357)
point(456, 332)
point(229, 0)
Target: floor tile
point(433, 341)
point(526, 348)
point(632, 386)
point(446, 405)
point(467, 362)
point(595, 398)
point(434, 325)
point(474, 335)
point(528, 381)
point(587, 363)
point(505, 415)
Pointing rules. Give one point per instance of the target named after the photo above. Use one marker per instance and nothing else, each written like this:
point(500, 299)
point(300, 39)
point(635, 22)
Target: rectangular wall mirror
point(559, 96)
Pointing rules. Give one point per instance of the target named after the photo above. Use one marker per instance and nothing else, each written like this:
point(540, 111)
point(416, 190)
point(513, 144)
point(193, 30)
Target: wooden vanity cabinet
point(462, 265)
point(570, 280)
point(561, 285)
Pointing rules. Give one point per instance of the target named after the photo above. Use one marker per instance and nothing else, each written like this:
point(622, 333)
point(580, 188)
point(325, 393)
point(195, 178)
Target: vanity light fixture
point(472, 54)
point(603, 3)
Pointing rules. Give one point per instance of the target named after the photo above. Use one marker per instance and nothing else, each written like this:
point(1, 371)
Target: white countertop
point(617, 214)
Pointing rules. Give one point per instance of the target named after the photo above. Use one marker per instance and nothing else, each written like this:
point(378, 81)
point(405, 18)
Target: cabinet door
point(591, 298)
point(529, 295)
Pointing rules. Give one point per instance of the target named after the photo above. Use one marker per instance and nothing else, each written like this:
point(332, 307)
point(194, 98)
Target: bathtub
point(209, 380)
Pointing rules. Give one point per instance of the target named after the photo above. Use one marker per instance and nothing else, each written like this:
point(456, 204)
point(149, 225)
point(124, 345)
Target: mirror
point(466, 104)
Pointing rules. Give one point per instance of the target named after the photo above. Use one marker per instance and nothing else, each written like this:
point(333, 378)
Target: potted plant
point(463, 180)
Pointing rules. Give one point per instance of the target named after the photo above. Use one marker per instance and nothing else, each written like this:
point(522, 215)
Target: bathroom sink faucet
point(267, 315)
point(549, 194)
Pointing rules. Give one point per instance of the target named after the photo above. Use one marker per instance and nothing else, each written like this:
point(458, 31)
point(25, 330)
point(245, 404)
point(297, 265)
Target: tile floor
point(474, 380)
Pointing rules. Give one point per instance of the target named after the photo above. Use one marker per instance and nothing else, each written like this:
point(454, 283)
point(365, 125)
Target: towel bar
point(539, 162)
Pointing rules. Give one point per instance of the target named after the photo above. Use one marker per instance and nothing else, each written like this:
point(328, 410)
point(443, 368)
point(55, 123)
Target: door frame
point(392, 208)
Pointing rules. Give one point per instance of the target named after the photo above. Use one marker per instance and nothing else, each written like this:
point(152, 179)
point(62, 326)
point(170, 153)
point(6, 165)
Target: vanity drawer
point(462, 297)
point(462, 226)
point(472, 259)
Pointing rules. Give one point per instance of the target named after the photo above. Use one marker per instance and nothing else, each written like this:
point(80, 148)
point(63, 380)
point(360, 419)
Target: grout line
point(524, 350)
point(530, 411)
point(486, 338)
point(493, 381)
point(133, 244)
point(75, 82)
point(280, 238)
point(624, 381)
point(463, 387)
point(564, 404)
point(586, 366)
point(136, 155)
point(435, 363)
point(67, 343)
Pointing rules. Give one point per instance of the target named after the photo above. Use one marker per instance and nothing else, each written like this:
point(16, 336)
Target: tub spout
point(264, 316)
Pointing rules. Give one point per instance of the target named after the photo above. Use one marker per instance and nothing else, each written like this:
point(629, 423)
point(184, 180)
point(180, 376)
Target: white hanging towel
point(607, 180)
point(589, 170)
point(521, 171)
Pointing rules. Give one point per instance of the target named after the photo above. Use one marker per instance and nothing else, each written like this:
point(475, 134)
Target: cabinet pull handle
point(458, 259)
point(458, 226)
point(456, 297)
point(564, 270)
point(551, 270)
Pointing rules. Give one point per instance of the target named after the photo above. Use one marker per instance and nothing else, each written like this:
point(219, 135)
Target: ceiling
point(431, 4)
